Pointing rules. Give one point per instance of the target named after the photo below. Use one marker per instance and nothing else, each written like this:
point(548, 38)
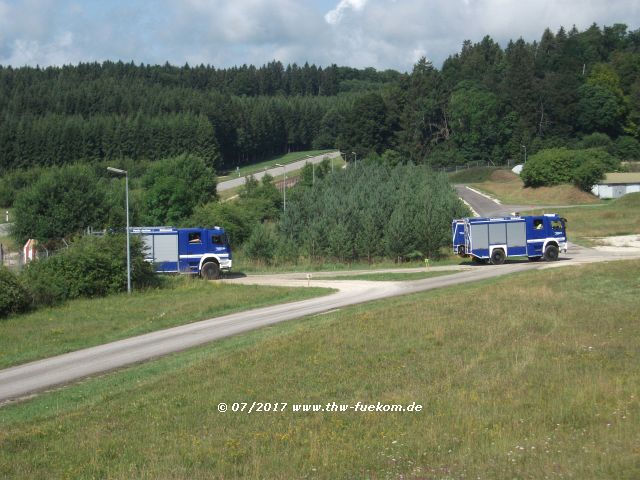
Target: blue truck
point(197, 251)
point(495, 239)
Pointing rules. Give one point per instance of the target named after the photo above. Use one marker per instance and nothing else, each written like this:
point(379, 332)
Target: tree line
point(486, 103)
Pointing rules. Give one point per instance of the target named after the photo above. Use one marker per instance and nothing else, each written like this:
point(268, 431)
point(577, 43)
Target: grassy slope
point(472, 175)
point(508, 188)
point(531, 376)
point(618, 217)
point(83, 323)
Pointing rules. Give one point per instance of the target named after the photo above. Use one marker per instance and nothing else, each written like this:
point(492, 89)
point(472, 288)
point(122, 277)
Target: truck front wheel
point(210, 271)
point(498, 257)
point(551, 253)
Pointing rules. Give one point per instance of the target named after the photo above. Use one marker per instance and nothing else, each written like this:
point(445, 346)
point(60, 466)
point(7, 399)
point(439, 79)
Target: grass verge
point(392, 276)
point(507, 187)
point(88, 322)
point(617, 217)
point(472, 175)
point(283, 159)
point(535, 376)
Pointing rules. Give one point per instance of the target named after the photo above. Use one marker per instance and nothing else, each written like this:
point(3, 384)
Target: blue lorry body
point(201, 251)
point(495, 239)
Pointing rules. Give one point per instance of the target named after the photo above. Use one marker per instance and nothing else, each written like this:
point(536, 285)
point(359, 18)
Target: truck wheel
point(551, 253)
point(210, 271)
point(498, 257)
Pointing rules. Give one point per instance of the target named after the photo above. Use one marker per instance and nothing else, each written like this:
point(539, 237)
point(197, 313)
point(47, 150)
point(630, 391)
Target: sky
point(384, 34)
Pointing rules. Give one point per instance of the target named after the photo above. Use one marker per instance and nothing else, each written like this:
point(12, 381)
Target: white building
point(617, 184)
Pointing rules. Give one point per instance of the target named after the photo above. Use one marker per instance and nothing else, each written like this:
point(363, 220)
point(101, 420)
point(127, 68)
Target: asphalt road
point(275, 171)
point(485, 207)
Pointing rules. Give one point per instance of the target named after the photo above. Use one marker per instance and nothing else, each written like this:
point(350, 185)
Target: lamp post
point(284, 187)
point(525, 153)
point(117, 171)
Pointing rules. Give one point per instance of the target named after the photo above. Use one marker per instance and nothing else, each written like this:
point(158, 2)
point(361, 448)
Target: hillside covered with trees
point(486, 103)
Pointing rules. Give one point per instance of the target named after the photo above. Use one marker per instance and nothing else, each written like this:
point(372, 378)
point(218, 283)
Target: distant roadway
point(275, 171)
point(22, 380)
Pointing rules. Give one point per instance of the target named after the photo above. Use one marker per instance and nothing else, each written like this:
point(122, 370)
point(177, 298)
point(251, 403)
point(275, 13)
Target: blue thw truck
point(496, 239)
point(198, 251)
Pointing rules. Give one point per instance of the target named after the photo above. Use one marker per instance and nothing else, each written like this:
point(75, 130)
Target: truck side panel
point(479, 239)
point(516, 238)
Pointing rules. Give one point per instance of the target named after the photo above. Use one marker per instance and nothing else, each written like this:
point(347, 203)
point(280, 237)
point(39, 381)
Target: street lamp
point(117, 171)
point(525, 153)
point(284, 187)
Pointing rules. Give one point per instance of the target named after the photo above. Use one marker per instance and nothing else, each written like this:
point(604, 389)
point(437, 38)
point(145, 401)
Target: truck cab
point(199, 245)
point(545, 231)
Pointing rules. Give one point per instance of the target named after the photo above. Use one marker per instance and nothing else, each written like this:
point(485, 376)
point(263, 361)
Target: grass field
point(243, 264)
point(472, 175)
point(83, 323)
point(533, 376)
point(393, 276)
point(283, 159)
point(617, 217)
point(507, 187)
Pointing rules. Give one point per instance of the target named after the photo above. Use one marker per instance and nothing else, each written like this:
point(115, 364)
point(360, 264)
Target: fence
point(466, 166)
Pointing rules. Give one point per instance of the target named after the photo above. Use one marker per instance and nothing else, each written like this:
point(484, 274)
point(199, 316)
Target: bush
point(560, 165)
point(175, 186)
point(90, 267)
point(588, 174)
point(14, 298)
point(62, 202)
point(626, 148)
point(261, 244)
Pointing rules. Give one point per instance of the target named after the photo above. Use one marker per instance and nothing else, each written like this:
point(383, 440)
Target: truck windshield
point(218, 239)
point(556, 225)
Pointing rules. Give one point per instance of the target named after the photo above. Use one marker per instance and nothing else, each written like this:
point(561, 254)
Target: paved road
point(275, 171)
point(485, 207)
point(20, 381)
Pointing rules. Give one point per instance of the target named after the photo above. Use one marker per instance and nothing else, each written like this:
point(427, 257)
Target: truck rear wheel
point(498, 257)
point(210, 271)
point(551, 253)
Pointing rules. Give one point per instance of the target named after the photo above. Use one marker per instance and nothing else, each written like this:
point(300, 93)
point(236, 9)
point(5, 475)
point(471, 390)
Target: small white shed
point(617, 184)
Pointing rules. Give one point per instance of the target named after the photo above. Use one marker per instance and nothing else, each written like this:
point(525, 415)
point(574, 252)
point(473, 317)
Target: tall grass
point(531, 376)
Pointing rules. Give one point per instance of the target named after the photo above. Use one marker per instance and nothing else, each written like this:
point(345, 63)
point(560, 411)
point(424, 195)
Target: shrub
point(261, 244)
point(62, 202)
point(14, 298)
point(588, 174)
point(90, 267)
point(626, 148)
point(560, 165)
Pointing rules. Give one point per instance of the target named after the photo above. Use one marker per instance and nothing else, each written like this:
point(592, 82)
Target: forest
point(487, 103)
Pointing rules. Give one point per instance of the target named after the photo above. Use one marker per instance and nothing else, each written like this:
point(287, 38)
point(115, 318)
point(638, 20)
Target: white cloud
point(334, 16)
point(360, 33)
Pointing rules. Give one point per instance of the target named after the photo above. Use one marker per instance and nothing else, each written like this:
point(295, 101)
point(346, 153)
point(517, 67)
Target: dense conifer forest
point(486, 103)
